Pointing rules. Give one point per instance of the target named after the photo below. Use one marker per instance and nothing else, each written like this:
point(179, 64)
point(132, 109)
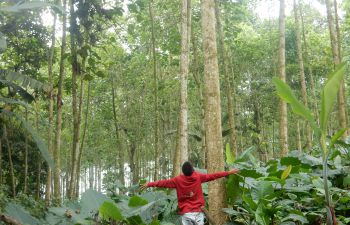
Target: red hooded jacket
point(188, 189)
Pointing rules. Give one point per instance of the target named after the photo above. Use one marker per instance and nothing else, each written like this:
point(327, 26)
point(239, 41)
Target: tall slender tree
point(283, 122)
point(155, 86)
point(9, 153)
point(302, 73)
point(182, 139)
point(76, 100)
point(228, 90)
point(212, 110)
point(59, 104)
point(336, 61)
point(50, 131)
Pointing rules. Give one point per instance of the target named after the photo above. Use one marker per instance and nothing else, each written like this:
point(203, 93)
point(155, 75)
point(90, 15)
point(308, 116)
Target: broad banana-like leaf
point(8, 77)
point(286, 94)
point(329, 94)
point(21, 215)
point(14, 101)
point(37, 139)
point(40, 143)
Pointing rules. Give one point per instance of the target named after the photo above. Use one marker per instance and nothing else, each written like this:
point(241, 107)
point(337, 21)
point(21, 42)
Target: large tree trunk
point(49, 136)
point(182, 139)
point(155, 86)
point(59, 103)
point(283, 124)
point(75, 104)
point(9, 152)
point(213, 111)
point(336, 61)
point(302, 74)
point(199, 83)
point(228, 91)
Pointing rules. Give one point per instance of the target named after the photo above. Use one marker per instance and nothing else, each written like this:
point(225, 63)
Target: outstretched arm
point(214, 176)
point(170, 183)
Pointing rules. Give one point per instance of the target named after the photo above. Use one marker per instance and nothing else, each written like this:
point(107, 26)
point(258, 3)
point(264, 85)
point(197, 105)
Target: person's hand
point(233, 171)
point(143, 186)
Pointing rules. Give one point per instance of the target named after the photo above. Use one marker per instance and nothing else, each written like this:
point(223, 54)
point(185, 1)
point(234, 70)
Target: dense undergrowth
point(286, 191)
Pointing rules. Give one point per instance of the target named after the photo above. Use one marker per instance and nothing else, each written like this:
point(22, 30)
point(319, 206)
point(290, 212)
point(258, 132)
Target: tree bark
point(283, 123)
point(25, 190)
point(342, 90)
point(336, 61)
point(91, 177)
point(155, 84)
point(182, 140)
point(0, 161)
point(199, 83)
point(213, 111)
point(50, 131)
point(82, 140)
point(9, 152)
point(299, 136)
point(75, 104)
point(302, 74)
point(38, 178)
point(59, 104)
point(228, 90)
point(312, 83)
point(117, 134)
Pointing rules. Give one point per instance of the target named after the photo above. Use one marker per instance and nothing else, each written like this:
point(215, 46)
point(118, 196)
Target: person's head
point(187, 168)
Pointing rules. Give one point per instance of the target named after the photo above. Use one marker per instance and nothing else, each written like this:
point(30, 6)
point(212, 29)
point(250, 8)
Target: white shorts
point(193, 218)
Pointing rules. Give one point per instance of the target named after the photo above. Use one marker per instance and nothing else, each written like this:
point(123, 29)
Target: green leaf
point(233, 192)
point(346, 181)
point(155, 222)
point(290, 160)
point(137, 201)
point(286, 172)
point(296, 217)
point(20, 214)
point(261, 217)
point(336, 136)
point(245, 156)
point(247, 199)
point(329, 94)
point(250, 173)
point(230, 158)
point(109, 210)
point(91, 201)
point(286, 94)
point(263, 190)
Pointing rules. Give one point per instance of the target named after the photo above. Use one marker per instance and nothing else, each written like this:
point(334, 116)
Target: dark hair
point(187, 168)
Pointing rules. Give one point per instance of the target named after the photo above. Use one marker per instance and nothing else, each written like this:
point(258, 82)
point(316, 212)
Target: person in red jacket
point(189, 191)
